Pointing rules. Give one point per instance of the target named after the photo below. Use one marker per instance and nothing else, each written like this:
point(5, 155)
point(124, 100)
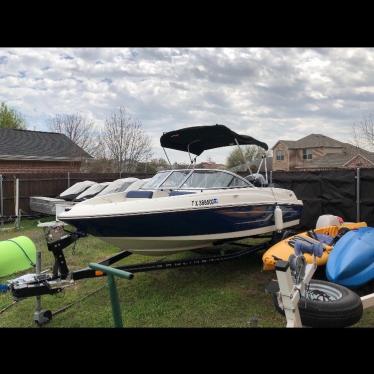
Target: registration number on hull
point(204, 202)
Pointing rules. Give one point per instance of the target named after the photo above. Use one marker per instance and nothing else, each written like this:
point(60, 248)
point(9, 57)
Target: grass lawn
point(229, 294)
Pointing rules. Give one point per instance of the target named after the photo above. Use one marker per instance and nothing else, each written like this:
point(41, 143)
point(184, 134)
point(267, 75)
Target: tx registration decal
point(204, 202)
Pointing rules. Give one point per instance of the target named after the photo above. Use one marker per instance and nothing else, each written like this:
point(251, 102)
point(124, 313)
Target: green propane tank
point(16, 255)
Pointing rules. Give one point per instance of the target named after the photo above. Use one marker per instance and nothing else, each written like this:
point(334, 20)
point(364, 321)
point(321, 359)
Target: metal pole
point(17, 204)
point(271, 176)
point(259, 166)
point(68, 179)
point(116, 308)
point(111, 273)
point(41, 317)
point(38, 270)
point(358, 195)
point(266, 171)
point(166, 156)
point(1, 196)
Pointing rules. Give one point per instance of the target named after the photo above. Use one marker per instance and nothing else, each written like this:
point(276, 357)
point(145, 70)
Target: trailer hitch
point(39, 283)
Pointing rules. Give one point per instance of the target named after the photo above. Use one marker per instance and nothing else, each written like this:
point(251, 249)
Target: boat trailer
point(293, 281)
point(58, 238)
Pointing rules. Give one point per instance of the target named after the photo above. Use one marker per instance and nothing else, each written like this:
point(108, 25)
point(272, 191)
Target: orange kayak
point(283, 249)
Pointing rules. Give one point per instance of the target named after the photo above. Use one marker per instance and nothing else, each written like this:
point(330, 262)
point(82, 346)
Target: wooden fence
point(47, 184)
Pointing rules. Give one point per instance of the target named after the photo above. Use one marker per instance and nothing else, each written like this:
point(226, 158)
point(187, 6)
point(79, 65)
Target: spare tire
point(327, 305)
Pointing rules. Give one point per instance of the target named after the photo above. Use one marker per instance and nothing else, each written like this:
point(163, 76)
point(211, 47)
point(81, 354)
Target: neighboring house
point(25, 151)
point(317, 151)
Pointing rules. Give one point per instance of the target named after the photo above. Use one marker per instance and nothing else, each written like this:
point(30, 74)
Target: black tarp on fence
point(322, 192)
point(331, 192)
point(367, 195)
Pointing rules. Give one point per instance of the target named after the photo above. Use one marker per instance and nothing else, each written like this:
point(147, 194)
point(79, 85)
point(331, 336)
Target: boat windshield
point(199, 179)
point(175, 179)
point(156, 180)
point(213, 179)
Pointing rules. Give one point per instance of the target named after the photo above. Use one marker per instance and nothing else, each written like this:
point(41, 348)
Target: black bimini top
point(197, 139)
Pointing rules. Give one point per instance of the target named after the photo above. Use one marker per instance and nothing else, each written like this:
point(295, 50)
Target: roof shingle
point(313, 141)
point(38, 145)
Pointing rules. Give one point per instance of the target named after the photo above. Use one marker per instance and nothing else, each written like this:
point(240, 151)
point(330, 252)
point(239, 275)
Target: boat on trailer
point(179, 210)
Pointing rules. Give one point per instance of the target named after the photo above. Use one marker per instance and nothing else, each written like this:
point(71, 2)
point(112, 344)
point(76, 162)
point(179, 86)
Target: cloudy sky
point(270, 94)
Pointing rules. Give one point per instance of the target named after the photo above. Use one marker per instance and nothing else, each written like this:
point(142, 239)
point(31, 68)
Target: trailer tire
point(343, 310)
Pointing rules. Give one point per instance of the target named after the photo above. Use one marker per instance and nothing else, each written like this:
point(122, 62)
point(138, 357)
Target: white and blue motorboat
point(186, 209)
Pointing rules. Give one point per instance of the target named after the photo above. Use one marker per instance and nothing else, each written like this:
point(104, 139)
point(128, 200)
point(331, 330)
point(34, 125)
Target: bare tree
point(363, 133)
point(76, 127)
point(126, 141)
point(99, 147)
point(250, 152)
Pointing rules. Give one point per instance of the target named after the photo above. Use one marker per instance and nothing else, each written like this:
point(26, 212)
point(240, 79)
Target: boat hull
point(172, 244)
point(175, 231)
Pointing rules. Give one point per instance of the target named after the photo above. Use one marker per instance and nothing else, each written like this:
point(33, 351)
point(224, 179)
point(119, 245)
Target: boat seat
point(138, 194)
point(177, 193)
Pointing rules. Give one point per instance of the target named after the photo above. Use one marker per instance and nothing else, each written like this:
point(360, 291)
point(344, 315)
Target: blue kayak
point(351, 262)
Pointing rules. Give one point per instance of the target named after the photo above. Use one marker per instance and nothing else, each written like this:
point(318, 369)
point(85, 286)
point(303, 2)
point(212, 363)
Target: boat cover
point(75, 190)
point(118, 185)
point(92, 191)
point(197, 139)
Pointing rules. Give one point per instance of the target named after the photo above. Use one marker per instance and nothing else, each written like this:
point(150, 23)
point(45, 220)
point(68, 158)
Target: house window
point(280, 155)
point(307, 154)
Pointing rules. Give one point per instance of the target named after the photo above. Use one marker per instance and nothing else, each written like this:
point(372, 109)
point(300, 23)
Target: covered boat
point(76, 189)
point(92, 191)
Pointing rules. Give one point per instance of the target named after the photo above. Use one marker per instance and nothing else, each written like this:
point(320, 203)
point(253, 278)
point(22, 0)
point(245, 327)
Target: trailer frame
point(49, 283)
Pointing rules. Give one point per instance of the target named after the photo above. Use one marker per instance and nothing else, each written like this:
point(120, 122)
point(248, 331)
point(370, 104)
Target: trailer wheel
point(327, 305)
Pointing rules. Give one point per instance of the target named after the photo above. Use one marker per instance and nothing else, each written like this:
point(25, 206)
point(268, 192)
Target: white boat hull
point(167, 245)
point(173, 224)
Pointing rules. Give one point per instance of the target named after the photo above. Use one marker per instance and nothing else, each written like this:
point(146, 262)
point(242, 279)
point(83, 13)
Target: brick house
point(25, 151)
point(317, 151)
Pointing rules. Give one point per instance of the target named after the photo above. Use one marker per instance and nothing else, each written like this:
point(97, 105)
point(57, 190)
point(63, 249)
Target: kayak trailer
point(58, 238)
point(306, 302)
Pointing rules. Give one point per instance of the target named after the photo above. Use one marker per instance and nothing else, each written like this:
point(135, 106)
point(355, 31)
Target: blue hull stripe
point(193, 222)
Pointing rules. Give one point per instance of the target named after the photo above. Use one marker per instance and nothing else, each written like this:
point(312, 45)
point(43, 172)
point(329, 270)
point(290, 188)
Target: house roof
point(38, 145)
point(312, 141)
point(288, 143)
point(330, 160)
